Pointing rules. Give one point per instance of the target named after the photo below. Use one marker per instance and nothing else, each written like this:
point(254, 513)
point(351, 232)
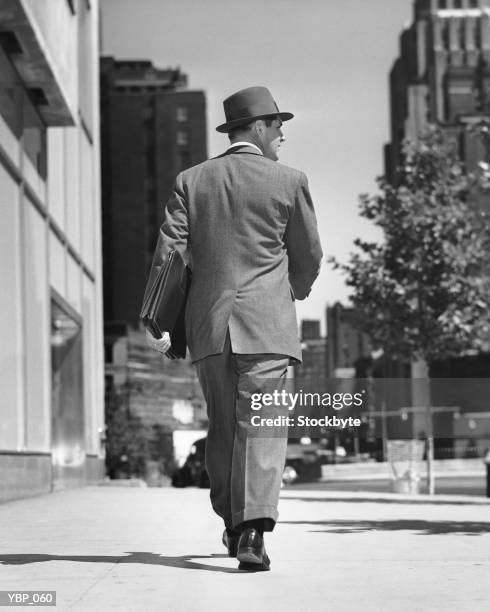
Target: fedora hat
point(247, 105)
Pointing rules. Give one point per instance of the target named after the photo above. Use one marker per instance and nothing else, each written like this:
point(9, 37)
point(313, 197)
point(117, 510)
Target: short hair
point(241, 129)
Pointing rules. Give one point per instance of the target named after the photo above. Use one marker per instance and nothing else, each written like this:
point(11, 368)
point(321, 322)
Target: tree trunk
point(422, 418)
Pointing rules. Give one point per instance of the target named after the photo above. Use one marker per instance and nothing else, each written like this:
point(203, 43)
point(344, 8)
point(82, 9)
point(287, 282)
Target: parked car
point(303, 464)
point(193, 472)
point(305, 460)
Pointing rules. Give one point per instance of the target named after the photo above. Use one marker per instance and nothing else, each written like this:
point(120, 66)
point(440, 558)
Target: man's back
point(247, 218)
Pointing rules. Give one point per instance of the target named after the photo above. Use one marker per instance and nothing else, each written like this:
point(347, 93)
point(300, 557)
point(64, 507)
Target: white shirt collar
point(244, 144)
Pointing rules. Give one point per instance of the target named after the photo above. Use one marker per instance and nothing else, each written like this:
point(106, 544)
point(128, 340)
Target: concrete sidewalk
point(132, 549)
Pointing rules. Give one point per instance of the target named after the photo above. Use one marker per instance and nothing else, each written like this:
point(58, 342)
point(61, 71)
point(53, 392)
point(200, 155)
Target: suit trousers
point(244, 467)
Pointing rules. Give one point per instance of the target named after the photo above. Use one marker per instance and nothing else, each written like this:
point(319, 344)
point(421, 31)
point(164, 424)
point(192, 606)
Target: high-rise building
point(346, 345)
point(152, 128)
point(51, 333)
point(442, 76)
point(311, 375)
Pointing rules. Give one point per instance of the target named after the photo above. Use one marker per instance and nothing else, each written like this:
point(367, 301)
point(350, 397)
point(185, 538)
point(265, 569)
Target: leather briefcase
point(164, 307)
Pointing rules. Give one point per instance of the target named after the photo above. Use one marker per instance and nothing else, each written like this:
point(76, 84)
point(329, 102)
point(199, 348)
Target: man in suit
point(247, 228)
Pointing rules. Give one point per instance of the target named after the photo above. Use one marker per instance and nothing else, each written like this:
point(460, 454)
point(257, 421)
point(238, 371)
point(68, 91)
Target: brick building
point(152, 128)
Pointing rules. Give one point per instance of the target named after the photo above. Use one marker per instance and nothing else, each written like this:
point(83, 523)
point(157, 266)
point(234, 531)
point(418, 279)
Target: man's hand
point(158, 344)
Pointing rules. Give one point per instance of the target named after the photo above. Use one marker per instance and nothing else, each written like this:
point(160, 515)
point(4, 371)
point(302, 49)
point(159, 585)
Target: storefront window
point(68, 440)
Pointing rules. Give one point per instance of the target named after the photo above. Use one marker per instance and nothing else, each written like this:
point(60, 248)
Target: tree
point(423, 293)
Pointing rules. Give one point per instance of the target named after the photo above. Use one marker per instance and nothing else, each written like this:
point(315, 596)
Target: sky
point(326, 61)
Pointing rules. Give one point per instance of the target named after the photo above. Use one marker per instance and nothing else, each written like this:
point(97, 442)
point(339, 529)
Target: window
point(182, 114)
point(19, 113)
point(11, 99)
point(458, 4)
point(445, 36)
point(477, 34)
point(442, 4)
point(35, 139)
point(148, 113)
point(85, 66)
point(182, 139)
point(462, 34)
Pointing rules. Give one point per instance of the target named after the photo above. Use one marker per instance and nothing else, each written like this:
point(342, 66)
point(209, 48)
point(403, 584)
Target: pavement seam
point(96, 581)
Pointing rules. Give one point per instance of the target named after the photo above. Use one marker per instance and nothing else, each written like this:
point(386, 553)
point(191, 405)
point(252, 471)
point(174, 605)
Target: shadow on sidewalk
point(388, 500)
point(182, 562)
point(469, 528)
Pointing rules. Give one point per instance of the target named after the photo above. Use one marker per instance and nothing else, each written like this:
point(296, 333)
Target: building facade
point(346, 345)
point(442, 76)
point(152, 128)
point(51, 331)
point(163, 395)
point(311, 375)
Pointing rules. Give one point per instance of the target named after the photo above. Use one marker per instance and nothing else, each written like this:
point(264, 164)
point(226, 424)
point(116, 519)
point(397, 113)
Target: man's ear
point(259, 127)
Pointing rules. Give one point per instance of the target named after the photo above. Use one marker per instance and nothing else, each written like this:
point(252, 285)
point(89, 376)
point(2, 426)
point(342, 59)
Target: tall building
point(152, 128)
point(51, 333)
point(346, 345)
point(441, 76)
point(311, 375)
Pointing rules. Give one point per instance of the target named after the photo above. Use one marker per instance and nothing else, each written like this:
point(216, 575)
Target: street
point(153, 549)
point(445, 485)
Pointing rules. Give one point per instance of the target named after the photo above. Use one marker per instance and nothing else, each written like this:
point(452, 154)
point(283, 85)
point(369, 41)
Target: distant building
point(152, 128)
point(51, 344)
point(163, 394)
point(442, 76)
point(311, 375)
point(346, 345)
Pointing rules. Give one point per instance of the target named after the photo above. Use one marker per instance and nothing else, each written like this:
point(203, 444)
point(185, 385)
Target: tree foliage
point(127, 447)
point(423, 292)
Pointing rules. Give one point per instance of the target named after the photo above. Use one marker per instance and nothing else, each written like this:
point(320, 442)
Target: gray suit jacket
point(247, 227)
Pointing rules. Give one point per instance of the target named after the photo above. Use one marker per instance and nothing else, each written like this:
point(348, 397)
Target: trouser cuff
point(268, 513)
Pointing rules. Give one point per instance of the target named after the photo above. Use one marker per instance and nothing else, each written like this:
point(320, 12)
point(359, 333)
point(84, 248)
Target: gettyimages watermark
point(337, 401)
point(281, 412)
point(400, 408)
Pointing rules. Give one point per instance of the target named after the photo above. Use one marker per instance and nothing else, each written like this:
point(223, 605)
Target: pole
point(430, 452)
point(357, 450)
point(421, 397)
point(486, 461)
point(384, 431)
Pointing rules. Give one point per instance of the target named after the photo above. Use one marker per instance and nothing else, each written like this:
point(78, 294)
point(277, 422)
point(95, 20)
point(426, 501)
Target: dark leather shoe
point(251, 552)
point(231, 542)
